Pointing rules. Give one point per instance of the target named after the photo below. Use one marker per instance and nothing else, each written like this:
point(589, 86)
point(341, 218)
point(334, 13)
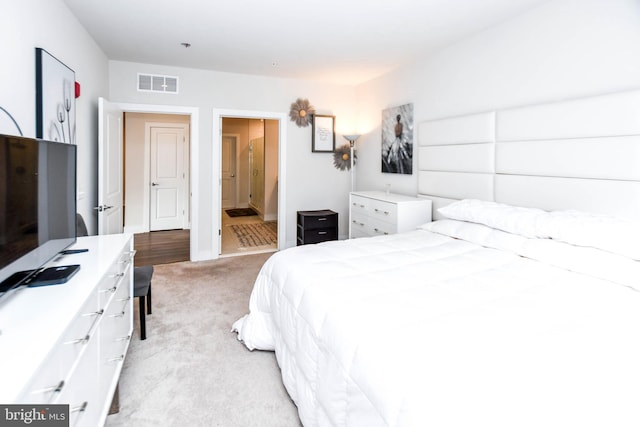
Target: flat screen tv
point(37, 206)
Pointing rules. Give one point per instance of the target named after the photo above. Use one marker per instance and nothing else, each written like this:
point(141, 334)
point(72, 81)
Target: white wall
point(27, 24)
point(311, 180)
point(562, 49)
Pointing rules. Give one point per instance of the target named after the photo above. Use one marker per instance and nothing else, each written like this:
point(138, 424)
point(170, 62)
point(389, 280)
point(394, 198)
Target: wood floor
point(161, 247)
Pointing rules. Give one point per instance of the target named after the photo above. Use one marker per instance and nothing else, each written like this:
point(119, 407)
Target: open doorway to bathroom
point(249, 190)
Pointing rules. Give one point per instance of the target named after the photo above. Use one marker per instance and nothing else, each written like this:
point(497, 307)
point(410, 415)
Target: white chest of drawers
point(65, 344)
point(375, 213)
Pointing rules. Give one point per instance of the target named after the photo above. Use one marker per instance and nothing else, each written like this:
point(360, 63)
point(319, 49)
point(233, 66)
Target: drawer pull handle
point(94, 313)
point(116, 359)
point(358, 223)
point(55, 388)
point(322, 232)
point(322, 219)
point(118, 275)
point(80, 408)
point(112, 290)
point(127, 338)
point(83, 340)
point(124, 299)
point(117, 315)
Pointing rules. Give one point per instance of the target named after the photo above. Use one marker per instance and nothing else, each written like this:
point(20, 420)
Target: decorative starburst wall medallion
point(341, 158)
point(301, 112)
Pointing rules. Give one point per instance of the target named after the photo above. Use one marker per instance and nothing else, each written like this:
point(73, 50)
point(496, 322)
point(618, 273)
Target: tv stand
point(67, 344)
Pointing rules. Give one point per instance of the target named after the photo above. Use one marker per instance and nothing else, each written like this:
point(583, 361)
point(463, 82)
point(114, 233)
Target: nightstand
point(317, 226)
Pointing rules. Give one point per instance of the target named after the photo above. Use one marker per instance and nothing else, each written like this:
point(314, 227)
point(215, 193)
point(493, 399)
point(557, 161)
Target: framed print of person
point(397, 140)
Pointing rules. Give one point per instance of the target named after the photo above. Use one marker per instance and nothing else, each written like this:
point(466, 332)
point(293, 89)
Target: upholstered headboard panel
point(580, 154)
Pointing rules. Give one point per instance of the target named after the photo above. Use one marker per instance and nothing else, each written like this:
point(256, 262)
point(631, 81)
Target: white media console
point(66, 344)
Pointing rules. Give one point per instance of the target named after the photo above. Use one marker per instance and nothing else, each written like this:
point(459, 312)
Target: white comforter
point(426, 329)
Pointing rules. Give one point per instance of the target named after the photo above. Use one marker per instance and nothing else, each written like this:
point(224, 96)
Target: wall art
point(324, 136)
point(55, 99)
point(397, 140)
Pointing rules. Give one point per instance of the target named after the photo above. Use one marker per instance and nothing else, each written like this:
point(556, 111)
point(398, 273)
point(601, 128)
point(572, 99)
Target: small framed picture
point(324, 135)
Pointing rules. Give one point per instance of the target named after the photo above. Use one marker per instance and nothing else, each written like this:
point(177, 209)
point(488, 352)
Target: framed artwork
point(324, 135)
point(55, 99)
point(397, 140)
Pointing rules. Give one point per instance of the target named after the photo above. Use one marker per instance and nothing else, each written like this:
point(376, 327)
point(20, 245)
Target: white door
point(229, 191)
point(167, 178)
point(110, 185)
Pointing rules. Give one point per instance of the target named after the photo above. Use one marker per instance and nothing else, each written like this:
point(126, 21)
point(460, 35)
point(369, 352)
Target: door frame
point(186, 147)
point(216, 197)
point(194, 138)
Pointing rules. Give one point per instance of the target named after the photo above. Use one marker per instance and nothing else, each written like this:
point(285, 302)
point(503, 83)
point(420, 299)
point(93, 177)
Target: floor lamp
point(352, 141)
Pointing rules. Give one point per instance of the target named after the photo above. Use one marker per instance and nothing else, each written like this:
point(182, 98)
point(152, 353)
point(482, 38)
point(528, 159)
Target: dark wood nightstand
point(317, 226)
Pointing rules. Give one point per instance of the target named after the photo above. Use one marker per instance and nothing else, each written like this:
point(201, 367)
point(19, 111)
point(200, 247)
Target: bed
point(519, 306)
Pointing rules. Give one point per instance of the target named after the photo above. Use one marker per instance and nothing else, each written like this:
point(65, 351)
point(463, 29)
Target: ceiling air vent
point(156, 83)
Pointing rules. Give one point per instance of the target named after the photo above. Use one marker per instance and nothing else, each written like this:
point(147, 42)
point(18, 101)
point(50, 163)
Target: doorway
point(249, 185)
point(156, 179)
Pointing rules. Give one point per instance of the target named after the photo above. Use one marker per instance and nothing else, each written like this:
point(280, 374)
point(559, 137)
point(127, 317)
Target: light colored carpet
point(191, 370)
point(256, 234)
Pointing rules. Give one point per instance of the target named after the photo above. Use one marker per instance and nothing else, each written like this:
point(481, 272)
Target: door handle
point(102, 208)
point(154, 184)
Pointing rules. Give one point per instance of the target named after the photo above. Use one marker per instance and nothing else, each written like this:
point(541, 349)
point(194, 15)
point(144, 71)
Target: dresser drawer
point(384, 211)
point(359, 204)
point(377, 227)
point(78, 335)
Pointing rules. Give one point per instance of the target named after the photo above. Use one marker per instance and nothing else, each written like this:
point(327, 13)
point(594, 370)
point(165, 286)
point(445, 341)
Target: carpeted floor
point(191, 370)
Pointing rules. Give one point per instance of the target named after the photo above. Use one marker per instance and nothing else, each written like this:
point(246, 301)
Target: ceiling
point(339, 41)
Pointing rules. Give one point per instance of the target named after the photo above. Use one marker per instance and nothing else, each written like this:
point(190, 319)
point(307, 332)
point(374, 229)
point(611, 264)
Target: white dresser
point(374, 213)
point(65, 344)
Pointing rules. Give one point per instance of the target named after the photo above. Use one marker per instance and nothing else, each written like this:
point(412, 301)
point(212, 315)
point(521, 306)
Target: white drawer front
point(380, 228)
point(80, 391)
point(78, 335)
point(47, 383)
point(360, 204)
point(384, 211)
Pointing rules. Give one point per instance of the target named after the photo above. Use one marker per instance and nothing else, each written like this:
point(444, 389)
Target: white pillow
point(618, 235)
point(512, 219)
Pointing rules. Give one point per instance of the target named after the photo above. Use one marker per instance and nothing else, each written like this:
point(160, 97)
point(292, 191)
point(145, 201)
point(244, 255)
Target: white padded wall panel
point(471, 129)
point(457, 158)
point(603, 158)
point(455, 185)
point(606, 115)
point(621, 198)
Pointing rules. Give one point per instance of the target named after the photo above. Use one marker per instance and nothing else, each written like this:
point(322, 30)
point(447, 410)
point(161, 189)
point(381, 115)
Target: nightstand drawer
point(310, 220)
point(320, 235)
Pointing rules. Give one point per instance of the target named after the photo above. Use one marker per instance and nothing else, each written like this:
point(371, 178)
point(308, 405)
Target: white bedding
point(425, 329)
